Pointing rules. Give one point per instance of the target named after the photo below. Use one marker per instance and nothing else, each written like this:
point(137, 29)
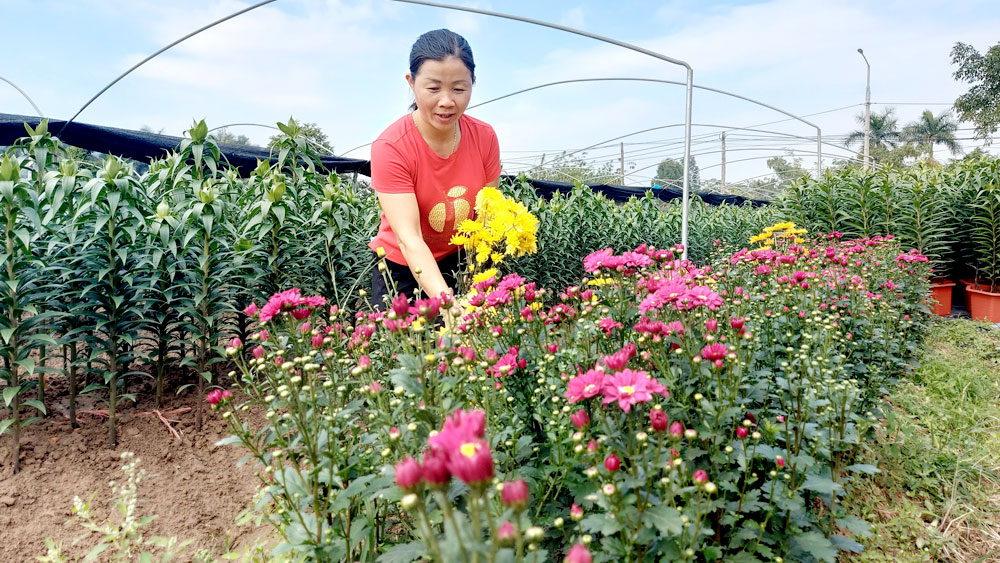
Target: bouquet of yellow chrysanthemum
point(502, 228)
point(779, 231)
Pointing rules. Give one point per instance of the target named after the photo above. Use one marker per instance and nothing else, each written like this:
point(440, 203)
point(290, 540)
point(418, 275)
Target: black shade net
point(144, 146)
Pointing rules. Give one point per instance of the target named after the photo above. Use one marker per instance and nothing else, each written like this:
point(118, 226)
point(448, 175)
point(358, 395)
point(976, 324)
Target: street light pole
point(868, 108)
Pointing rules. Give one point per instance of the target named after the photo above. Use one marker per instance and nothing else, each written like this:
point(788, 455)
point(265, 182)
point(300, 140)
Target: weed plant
point(937, 495)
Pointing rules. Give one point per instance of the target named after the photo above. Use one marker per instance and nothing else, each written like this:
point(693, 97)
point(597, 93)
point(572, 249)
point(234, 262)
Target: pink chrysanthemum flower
point(459, 427)
point(618, 360)
point(636, 260)
point(699, 296)
point(602, 259)
point(630, 387)
point(714, 351)
point(510, 282)
point(472, 462)
point(584, 386)
point(608, 325)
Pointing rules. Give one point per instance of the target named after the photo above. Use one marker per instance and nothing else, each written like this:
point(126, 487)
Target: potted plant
point(924, 222)
point(984, 294)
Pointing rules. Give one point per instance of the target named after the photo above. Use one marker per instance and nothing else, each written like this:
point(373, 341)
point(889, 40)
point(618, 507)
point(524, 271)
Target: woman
point(427, 168)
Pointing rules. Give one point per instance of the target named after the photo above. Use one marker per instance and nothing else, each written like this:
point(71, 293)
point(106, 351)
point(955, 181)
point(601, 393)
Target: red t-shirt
point(446, 188)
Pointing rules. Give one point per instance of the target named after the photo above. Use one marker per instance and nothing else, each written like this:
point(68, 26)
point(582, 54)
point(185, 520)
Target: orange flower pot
point(940, 301)
point(983, 304)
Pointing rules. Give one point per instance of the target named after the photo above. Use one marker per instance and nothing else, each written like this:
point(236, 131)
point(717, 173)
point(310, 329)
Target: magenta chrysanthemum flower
point(652, 302)
point(278, 302)
point(459, 427)
point(579, 554)
point(668, 291)
point(603, 259)
point(672, 289)
point(584, 386)
point(636, 260)
point(674, 327)
point(505, 364)
point(714, 351)
point(498, 297)
point(472, 462)
point(698, 296)
point(618, 360)
point(510, 282)
point(608, 325)
point(400, 306)
point(462, 446)
point(289, 300)
point(409, 474)
point(630, 387)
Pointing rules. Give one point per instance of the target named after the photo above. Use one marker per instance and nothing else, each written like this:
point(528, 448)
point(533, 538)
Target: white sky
point(340, 63)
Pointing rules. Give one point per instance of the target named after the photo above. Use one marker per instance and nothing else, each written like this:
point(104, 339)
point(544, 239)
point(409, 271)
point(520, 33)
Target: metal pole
point(819, 153)
point(868, 107)
point(622, 163)
point(636, 48)
point(686, 193)
point(819, 132)
point(147, 59)
point(26, 97)
point(723, 162)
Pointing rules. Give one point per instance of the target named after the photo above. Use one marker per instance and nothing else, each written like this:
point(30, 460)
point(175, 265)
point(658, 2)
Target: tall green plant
point(111, 297)
point(21, 324)
point(273, 225)
point(341, 257)
point(159, 275)
point(928, 223)
point(861, 202)
point(207, 233)
point(65, 239)
point(986, 232)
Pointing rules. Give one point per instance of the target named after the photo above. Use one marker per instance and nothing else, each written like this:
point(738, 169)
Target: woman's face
point(442, 90)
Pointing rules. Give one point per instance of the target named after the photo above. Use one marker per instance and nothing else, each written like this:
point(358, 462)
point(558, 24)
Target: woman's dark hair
point(437, 45)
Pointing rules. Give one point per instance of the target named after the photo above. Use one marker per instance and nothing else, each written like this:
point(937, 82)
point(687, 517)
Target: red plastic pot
point(983, 303)
point(941, 297)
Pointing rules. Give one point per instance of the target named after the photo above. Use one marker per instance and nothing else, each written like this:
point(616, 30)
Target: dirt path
point(193, 486)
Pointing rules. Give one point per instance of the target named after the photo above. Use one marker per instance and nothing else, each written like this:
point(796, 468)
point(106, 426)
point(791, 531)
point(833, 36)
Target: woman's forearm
point(424, 268)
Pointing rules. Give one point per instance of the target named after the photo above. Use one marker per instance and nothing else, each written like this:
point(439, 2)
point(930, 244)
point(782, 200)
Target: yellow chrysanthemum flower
point(502, 228)
point(484, 275)
point(782, 230)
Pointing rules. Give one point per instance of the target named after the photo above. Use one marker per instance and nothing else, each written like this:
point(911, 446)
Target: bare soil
point(193, 486)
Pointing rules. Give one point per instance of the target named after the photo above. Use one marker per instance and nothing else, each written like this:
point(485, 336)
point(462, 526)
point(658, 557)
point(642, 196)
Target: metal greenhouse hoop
point(688, 94)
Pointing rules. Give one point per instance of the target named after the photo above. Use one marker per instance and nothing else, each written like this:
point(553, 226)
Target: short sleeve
point(491, 160)
point(390, 172)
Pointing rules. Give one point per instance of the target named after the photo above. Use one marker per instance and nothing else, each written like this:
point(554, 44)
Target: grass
point(937, 497)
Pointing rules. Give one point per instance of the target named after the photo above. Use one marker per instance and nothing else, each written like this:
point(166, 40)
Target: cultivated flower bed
point(658, 409)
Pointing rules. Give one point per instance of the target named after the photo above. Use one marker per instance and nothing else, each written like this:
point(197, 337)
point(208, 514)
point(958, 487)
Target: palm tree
point(884, 131)
point(930, 130)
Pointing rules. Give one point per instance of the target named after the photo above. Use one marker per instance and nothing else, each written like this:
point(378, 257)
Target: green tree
point(981, 104)
point(225, 137)
point(930, 130)
point(786, 172)
point(884, 131)
point(670, 174)
point(895, 157)
point(567, 168)
point(317, 139)
point(975, 154)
